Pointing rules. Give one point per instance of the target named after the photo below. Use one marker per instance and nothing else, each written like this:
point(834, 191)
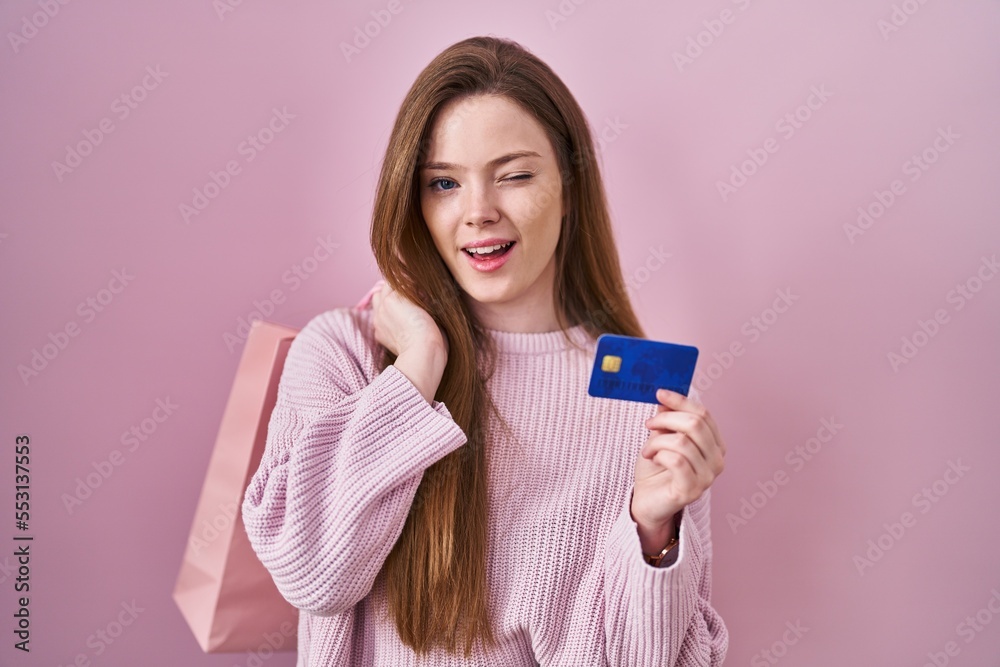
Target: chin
point(487, 293)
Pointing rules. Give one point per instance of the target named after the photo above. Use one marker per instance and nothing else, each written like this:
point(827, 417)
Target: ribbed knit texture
point(347, 447)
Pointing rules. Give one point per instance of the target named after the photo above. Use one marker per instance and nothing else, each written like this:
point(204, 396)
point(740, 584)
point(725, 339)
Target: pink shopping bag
point(224, 592)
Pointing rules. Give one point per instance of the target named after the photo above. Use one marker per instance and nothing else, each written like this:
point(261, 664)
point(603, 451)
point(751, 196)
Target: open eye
point(433, 183)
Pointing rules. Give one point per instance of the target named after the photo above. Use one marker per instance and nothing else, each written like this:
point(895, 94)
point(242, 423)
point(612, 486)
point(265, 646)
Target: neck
point(532, 312)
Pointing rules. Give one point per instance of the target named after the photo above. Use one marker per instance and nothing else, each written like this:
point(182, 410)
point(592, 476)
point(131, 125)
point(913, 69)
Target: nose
point(481, 206)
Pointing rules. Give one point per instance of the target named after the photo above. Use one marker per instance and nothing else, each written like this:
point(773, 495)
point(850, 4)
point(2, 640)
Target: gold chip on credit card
point(611, 364)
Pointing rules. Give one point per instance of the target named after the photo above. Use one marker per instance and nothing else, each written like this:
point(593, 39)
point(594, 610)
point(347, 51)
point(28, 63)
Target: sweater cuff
point(398, 382)
point(624, 544)
point(427, 431)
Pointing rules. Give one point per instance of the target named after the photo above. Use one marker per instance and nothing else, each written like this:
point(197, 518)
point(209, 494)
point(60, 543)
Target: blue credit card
point(632, 369)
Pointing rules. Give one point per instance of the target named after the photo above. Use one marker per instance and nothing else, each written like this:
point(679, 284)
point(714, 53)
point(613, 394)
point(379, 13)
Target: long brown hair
point(435, 574)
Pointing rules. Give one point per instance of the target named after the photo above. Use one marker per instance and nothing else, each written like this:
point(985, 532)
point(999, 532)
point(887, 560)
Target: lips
point(488, 250)
point(493, 257)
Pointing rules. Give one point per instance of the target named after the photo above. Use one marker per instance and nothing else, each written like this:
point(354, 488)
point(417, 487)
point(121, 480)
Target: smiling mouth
point(495, 251)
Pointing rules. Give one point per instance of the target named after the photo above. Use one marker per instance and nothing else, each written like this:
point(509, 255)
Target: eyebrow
point(503, 159)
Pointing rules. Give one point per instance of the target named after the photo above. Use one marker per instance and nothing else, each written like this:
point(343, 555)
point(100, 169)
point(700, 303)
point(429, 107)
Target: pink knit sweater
point(346, 449)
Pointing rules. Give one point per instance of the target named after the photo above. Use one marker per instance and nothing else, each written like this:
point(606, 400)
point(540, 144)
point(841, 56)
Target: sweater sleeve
point(341, 465)
point(662, 616)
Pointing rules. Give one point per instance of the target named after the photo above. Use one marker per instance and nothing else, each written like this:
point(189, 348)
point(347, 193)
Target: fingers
point(687, 480)
point(694, 427)
point(672, 402)
point(684, 460)
point(674, 453)
point(367, 299)
point(707, 461)
point(380, 293)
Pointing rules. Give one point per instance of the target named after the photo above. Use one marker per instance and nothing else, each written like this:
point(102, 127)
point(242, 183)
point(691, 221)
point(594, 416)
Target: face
point(491, 175)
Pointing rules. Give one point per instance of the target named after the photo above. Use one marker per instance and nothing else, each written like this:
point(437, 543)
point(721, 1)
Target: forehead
point(473, 129)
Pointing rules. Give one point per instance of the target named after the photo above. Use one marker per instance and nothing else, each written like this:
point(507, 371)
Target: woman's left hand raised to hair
point(676, 465)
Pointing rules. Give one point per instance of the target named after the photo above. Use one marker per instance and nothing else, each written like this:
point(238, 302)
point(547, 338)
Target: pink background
point(672, 131)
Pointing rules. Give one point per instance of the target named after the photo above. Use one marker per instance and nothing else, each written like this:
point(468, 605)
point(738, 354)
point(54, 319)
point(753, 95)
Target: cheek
point(539, 204)
point(438, 215)
point(440, 236)
point(537, 214)
point(432, 218)
point(440, 244)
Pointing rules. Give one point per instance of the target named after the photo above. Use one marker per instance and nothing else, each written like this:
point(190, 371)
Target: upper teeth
point(487, 249)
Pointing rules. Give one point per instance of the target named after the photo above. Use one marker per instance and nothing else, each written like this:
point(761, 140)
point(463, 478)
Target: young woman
point(438, 488)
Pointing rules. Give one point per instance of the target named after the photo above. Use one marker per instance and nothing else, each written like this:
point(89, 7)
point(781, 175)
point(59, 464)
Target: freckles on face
point(491, 172)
